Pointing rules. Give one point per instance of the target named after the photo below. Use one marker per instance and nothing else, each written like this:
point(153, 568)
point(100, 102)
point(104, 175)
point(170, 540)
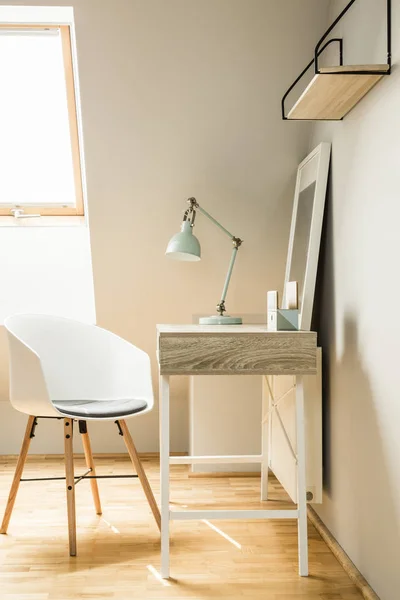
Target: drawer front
point(273, 353)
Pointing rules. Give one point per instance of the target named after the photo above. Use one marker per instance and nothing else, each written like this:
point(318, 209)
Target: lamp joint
point(192, 203)
point(190, 213)
point(237, 242)
point(221, 308)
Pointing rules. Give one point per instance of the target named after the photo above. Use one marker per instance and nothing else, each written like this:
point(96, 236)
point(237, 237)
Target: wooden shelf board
point(332, 94)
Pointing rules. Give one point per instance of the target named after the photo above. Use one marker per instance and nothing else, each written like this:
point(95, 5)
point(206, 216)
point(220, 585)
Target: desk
point(234, 350)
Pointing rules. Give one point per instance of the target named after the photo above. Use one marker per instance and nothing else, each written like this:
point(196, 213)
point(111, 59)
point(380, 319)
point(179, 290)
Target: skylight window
point(40, 170)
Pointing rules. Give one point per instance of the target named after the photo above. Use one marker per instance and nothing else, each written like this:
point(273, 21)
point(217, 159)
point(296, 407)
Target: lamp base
point(218, 320)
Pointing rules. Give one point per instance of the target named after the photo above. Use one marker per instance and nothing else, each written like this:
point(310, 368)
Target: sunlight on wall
point(46, 270)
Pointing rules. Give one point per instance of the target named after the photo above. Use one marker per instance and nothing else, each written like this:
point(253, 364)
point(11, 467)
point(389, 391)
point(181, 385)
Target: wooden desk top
point(235, 350)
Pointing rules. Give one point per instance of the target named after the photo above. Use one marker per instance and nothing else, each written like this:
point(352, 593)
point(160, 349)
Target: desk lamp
point(185, 246)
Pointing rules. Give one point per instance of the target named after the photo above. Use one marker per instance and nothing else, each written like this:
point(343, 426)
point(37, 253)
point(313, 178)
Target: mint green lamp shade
point(184, 245)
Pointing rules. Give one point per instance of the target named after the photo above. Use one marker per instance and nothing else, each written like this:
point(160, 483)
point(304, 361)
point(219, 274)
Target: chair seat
point(100, 409)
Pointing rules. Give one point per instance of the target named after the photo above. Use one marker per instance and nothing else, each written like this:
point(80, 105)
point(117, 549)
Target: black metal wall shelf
point(334, 91)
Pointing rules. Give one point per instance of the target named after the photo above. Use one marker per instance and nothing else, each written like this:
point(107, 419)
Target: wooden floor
point(118, 553)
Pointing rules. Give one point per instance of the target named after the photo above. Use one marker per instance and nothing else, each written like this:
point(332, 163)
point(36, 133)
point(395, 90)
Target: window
point(40, 169)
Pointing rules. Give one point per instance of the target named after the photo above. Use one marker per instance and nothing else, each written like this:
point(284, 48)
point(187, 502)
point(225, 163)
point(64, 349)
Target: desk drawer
point(272, 353)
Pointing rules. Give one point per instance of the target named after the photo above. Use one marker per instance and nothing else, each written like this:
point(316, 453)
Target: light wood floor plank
point(119, 555)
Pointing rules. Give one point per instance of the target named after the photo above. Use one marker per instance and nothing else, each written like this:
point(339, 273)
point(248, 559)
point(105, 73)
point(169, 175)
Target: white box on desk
point(283, 319)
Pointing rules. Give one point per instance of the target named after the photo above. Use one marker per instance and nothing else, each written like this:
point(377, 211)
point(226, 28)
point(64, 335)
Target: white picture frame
point(312, 174)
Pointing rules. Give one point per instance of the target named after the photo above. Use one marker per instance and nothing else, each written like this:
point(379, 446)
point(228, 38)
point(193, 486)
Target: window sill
point(64, 221)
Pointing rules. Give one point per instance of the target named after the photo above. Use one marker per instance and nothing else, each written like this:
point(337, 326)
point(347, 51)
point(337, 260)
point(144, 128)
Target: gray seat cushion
point(99, 409)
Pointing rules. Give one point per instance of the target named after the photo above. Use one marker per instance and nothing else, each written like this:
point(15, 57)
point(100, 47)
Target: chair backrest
point(68, 360)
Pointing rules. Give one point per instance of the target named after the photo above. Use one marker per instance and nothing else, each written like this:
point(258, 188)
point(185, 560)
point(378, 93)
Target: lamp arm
point(206, 214)
point(193, 205)
point(237, 242)
point(221, 306)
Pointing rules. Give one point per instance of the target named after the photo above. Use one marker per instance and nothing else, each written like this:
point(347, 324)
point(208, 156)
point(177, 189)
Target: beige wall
point(181, 98)
point(359, 327)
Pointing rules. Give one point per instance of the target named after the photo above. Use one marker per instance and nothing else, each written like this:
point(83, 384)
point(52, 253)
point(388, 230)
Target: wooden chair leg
point(17, 475)
point(87, 448)
point(70, 484)
point(140, 471)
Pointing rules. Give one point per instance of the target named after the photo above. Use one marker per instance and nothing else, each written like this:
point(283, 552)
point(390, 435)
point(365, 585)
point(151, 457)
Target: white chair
point(64, 369)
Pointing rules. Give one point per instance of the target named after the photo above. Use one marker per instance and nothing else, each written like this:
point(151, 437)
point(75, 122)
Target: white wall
point(182, 98)
point(46, 270)
point(359, 328)
point(43, 270)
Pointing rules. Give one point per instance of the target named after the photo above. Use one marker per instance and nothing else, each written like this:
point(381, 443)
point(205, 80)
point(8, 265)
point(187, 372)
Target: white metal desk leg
point(301, 479)
point(164, 473)
point(265, 429)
